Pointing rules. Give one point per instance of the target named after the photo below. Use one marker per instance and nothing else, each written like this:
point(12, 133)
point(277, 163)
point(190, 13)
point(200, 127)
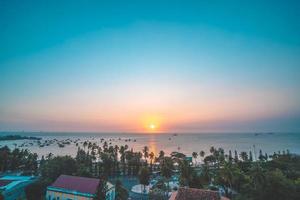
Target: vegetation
point(274, 177)
point(157, 194)
point(36, 191)
point(239, 174)
point(144, 177)
point(101, 190)
point(121, 192)
point(18, 160)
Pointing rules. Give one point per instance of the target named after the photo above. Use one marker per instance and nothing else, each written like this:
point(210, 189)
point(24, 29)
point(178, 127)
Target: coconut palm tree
point(206, 173)
point(212, 150)
point(85, 144)
point(236, 157)
point(225, 178)
point(122, 157)
point(244, 156)
point(49, 156)
point(161, 154)
point(202, 154)
point(166, 166)
point(105, 146)
point(195, 155)
point(151, 156)
point(144, 177)
point(230, 156)
point(146, 153)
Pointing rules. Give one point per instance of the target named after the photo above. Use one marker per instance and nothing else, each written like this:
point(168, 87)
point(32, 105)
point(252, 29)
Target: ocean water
point(185, 143)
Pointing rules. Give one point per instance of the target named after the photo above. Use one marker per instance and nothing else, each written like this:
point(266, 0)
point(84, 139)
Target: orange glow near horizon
point(151, 123)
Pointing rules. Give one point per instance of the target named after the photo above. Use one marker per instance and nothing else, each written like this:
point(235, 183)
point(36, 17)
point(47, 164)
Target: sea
point(186, 143)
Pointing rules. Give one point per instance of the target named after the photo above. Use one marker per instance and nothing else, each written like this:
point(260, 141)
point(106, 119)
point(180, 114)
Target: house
point(195, 194)
point(12, 187)
point(76, 188)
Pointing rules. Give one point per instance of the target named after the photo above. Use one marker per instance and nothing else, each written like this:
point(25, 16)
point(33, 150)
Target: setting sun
point(152, 126)
point(151, 123)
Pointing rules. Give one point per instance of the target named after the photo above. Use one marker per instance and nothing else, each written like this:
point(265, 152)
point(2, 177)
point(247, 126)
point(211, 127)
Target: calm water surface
point(186, 143)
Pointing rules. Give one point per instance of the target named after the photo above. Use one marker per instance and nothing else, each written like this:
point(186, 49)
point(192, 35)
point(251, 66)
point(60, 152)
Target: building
point(12, 187)
point(195, 194)
point(76, 188)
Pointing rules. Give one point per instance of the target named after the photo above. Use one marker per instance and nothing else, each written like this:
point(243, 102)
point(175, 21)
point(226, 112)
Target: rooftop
point(76, 183)
point(8, 182)
point(195, 194)
point(4, 182)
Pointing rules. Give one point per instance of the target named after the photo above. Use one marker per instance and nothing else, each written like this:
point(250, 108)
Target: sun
point(151, 123)
point(152, 126)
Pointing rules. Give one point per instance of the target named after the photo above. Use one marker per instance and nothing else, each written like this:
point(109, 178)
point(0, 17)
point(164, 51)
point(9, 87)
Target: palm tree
point(202, 154)
point(116, 151)
point(99, 150)
point(206, 173)
point(49, 156)
point(122, 157)
point(1, 196)
point(225, 178)
point(195, 155)
point(146, 153)
point(151, 156)
point(186, 173)
point(230, 156)
point(161, 154)
point(212, 150)
point(236, 157)
point(250, 156)
point(85, 144)
point(258, 175)
point(244, 156)
point(144, 177)
point(90, 145)
point(167, 168)
point(105, 146)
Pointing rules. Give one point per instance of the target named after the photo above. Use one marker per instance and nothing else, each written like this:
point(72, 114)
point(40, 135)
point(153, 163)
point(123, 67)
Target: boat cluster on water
point(65, 142)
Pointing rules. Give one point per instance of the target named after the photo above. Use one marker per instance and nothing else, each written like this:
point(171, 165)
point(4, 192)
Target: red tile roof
point(79, 184)
point(195, 194)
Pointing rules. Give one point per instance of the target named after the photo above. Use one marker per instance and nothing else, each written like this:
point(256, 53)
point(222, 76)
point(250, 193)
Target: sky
point(150, 66)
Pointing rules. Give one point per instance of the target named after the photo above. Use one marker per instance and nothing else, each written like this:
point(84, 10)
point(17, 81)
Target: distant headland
point(18, 137)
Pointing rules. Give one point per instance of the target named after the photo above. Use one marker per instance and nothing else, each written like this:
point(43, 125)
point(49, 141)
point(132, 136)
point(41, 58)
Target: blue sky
point(188, 66)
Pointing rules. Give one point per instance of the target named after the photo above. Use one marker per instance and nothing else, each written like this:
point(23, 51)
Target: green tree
point(36, 191)
point(230, 156)
point(151, 156)
point(121, 192)
point(1, 196)
point(101, 190)
point(166, 166)
point(195, 155)
point(202, 154)
point(146, 152)
point(206, 173)
point(161, 154)
point(236, 157)
point(225, 178)
point(58, 165)
point(157, 194)
point(144, 177)
point(244, 156)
